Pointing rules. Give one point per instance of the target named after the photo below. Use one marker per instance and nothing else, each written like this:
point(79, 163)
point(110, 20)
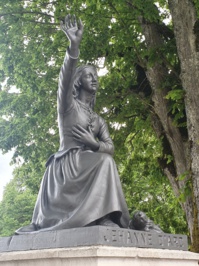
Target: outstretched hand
point(73, 29)
point(85, 137)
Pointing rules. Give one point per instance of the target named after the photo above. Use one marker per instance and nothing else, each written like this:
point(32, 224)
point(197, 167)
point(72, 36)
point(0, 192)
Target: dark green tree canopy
point(144, 95)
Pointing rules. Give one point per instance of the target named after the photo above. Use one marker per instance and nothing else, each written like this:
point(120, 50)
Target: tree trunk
point(185, 22)
point(180, 148)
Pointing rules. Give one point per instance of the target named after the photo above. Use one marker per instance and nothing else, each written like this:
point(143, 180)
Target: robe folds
point(79, 188)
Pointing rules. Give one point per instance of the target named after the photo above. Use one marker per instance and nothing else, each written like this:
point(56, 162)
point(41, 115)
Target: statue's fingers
point(67, 20)
point(75, 130)
point(77, 135)
point(74, 21)
point(80, 25)
point(80, 128)
point(75, 138)
point(70, 21)
point(90, 130)
point(62, 26)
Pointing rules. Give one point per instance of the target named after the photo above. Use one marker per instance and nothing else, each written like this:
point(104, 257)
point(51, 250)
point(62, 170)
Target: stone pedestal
point(96, 246)
point(93, 236)
point(99, 256)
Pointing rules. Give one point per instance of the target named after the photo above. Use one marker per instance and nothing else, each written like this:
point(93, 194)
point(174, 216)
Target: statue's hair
point(77, 83)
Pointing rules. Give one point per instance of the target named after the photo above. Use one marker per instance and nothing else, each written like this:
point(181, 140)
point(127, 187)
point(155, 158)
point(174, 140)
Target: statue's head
point(139, 220)
point(86, 79)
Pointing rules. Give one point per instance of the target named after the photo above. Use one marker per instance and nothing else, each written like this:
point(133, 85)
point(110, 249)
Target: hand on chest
point(88, 120)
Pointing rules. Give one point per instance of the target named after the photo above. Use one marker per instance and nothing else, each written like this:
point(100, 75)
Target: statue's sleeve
point(65, 85)
point(105, 141)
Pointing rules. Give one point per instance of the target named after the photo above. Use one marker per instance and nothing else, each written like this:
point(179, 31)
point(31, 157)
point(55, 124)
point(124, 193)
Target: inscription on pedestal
point(134, 238)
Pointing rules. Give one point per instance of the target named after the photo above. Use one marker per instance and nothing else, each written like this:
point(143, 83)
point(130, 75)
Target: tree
point(16, 207)
point(150, 49)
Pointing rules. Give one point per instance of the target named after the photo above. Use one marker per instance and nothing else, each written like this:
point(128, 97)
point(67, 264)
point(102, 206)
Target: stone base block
point(99, 256)
point(93, 236)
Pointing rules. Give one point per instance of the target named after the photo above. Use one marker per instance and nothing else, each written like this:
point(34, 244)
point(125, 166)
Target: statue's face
point(89, 81)
point(141, 218)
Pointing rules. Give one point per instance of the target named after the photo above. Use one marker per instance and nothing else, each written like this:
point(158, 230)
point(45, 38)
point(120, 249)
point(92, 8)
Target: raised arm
point(74, 32)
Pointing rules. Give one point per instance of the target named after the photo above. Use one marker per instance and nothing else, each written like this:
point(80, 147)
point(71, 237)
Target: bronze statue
point(81, 186)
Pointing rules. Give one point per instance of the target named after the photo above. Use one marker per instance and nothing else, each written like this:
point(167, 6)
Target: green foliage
point(32, 49)
point(145, 187)
point(177, 106)
point(16, 207)
point(197, 6)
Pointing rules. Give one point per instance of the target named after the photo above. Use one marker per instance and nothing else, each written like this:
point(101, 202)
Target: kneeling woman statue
point(81, 186)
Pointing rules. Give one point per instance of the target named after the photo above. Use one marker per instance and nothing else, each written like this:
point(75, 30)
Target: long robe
point(79, 186)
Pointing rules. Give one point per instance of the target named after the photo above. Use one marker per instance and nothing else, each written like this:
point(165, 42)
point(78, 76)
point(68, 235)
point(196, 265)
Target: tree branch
point(25, 12)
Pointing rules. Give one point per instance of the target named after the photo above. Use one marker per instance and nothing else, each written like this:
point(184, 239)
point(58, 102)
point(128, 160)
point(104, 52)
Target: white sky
point(5, 170)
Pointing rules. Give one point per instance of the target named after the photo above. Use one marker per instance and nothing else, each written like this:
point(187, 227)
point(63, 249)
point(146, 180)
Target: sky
point(5, 170)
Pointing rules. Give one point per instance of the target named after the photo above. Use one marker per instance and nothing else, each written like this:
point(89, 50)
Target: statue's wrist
point(96, 146)
point(74, 45)
point(73, 53)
